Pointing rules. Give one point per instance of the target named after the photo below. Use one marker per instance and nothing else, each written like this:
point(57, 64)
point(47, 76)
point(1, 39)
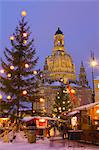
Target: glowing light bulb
point(35, 72)
point(93, 63)
point(41, 100)
point(59, 108)
point(24, 92)
point(11, 67)
point(63, 108)
point(24, 34)
point(23, 13)
point(8, 97)
point(11, 38)
point(25, 41)
point(26, 65)
point(63, 102)
point(72, 91)
point(61, 79)
point(2, 71)
point(97, 111)
point(33, 111)
point(9, 75)
point(64, 91)
point(67, 90)
point(0, 96)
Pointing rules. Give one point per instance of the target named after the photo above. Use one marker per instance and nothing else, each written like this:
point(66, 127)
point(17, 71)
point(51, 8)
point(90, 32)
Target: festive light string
point(11, 38)
point(23, 13)
point(24, 92)
point(0, 96)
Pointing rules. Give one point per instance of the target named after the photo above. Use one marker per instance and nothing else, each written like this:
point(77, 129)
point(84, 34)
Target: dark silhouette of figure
point(64, 130)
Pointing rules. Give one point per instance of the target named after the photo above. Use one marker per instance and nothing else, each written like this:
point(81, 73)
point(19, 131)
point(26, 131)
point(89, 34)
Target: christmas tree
point(62, 102)
point(18, 79)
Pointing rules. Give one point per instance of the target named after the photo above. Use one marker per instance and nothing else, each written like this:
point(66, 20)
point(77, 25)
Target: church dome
point(59, 65)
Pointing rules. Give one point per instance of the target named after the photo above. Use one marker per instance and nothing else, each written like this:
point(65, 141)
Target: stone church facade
point(59, 67)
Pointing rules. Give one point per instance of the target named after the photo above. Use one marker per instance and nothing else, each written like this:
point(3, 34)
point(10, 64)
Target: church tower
point(59, 65)
point(82, 76)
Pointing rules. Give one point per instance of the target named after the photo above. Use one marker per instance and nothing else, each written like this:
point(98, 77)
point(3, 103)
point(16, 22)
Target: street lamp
point(93, 63)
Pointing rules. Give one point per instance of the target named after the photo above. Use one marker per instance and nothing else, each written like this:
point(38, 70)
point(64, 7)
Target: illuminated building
point(59, 65)
point(96, 88)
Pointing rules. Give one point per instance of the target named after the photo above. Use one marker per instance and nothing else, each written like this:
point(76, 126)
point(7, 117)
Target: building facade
point(96, 88)
point(59, 67)
point(59, 64)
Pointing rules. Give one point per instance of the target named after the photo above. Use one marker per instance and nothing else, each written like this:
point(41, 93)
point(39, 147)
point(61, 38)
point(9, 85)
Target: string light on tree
point(61, 79)
point(33, 111)
point(42, 100)
point(0, 96)
point(9, 75)
point(64, 91)
point(8, 97)
point(12, 67)
point(2, 71)
point(24, 34)
point(59, 108)
point(41, 75)
point(69, 109)
point(34, 72)
point(11, 38)
point(24, 92)
point(26, 65)
point(63, 102)
point(25, 41)
point(67, 90)
point(23, 13)
point(63, 108)
point(72, 91)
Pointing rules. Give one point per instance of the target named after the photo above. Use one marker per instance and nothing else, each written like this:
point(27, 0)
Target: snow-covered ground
point(21, 143)
point(45, 145)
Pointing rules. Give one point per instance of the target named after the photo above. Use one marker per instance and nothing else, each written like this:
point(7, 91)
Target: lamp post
point(93, 63)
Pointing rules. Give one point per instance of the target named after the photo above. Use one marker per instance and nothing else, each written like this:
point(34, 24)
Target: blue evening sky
point(78, 19)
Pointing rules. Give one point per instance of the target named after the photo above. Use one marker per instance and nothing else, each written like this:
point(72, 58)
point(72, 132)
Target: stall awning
point(73, 113)
point(29, 118)
point(88, 106)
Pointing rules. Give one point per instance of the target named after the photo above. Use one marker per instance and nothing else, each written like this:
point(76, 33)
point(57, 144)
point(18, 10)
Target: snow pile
point(20, 138)
point(14, 137)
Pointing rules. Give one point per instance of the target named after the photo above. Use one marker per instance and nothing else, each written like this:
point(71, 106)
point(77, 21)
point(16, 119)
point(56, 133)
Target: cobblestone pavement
point(48, 144)
point(70, 144)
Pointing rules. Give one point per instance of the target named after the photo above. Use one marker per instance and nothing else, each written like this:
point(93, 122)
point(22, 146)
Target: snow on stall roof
point(39, 117)
point(86, 106)
point(74, 85)
point(97, 78)
point(73, 113)
point(56, 83)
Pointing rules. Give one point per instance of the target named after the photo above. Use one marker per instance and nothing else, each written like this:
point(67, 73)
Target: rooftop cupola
point(58, 41)
point(58, 31)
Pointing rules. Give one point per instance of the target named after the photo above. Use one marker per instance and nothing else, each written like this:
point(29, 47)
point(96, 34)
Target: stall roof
point(73, 113)
point(86, 106)
point(97, 78)
point(25, 119)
